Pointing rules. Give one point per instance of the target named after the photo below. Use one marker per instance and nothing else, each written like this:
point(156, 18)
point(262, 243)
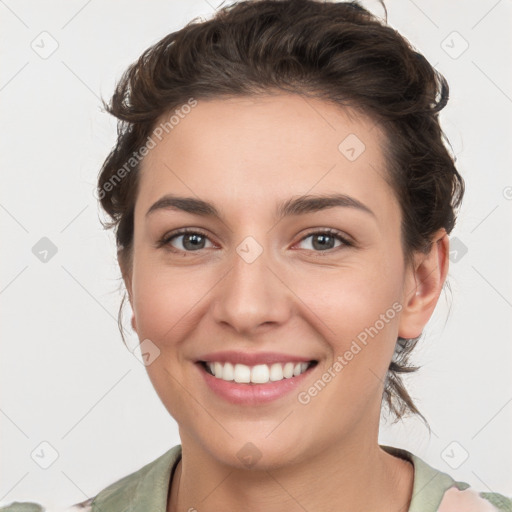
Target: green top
point(147, 490)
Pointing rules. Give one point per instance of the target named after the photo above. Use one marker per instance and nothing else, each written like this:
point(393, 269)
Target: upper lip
point(252, 359)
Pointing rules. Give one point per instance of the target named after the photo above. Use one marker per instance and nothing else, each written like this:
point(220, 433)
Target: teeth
point(259, 374)
point(276, 372)
point(228, 372)
point(288, 370)
point(242, 372)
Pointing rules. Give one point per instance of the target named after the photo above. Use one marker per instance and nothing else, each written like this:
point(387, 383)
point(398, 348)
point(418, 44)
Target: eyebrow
point(297, 206)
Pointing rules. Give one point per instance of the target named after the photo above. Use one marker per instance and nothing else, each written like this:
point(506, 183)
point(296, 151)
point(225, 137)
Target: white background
point(67, 378)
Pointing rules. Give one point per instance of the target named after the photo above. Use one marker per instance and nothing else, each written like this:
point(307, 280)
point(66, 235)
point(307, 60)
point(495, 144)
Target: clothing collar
point(147, 489)
point(429, 484)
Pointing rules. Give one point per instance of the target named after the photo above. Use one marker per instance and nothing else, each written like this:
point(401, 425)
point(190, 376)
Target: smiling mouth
point(257, 374)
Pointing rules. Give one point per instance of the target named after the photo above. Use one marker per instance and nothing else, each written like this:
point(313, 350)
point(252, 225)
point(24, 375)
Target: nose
point(252, 296)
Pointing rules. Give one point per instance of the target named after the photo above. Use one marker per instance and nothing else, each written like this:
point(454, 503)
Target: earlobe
point(423, 286)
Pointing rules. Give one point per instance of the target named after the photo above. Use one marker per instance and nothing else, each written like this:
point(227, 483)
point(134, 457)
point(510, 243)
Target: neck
point(356, 477)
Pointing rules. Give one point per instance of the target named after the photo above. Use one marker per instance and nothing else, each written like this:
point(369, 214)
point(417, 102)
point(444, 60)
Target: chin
point(257, 453)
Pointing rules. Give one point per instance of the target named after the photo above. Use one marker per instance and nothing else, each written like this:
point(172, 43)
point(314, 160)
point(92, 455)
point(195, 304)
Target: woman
point(282, 200)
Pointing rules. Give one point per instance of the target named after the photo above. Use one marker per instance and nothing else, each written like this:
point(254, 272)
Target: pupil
point(323, 244)
point(195, 239)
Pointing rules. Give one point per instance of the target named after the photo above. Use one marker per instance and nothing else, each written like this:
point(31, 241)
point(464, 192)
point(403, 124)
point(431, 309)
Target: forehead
point(265, 149)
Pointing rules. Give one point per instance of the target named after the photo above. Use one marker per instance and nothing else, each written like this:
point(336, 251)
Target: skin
point(246, 155)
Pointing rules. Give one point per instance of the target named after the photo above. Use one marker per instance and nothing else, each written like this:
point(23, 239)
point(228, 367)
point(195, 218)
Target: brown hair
point(337, 52)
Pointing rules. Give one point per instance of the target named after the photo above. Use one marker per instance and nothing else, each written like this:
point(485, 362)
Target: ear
point(423, 284)
point(125, 267)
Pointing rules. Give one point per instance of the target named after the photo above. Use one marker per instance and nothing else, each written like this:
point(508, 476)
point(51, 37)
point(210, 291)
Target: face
point(259, 275)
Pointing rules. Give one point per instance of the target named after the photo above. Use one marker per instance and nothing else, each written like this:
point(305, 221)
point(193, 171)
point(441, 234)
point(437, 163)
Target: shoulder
point(437, 491)
point(454, 495)
point(145, 489)
point(462, 497)
point(26, 506)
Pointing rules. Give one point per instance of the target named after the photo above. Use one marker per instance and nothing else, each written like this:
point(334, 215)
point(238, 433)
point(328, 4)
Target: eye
point(191, 240)
point(325, 240)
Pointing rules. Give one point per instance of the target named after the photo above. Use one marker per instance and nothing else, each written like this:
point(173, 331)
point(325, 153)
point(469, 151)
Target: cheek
point(165, 301)
point(356, 310)
point(357, 315)
point(351, 298)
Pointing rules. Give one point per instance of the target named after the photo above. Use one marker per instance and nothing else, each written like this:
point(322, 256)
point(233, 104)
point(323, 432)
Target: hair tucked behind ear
point(338, 52)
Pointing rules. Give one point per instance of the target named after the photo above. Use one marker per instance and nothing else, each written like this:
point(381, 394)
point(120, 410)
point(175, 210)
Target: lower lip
point(253, 394)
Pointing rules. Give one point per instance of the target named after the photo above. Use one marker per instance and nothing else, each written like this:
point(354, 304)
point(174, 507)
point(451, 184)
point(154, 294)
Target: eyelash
point(166, 239)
